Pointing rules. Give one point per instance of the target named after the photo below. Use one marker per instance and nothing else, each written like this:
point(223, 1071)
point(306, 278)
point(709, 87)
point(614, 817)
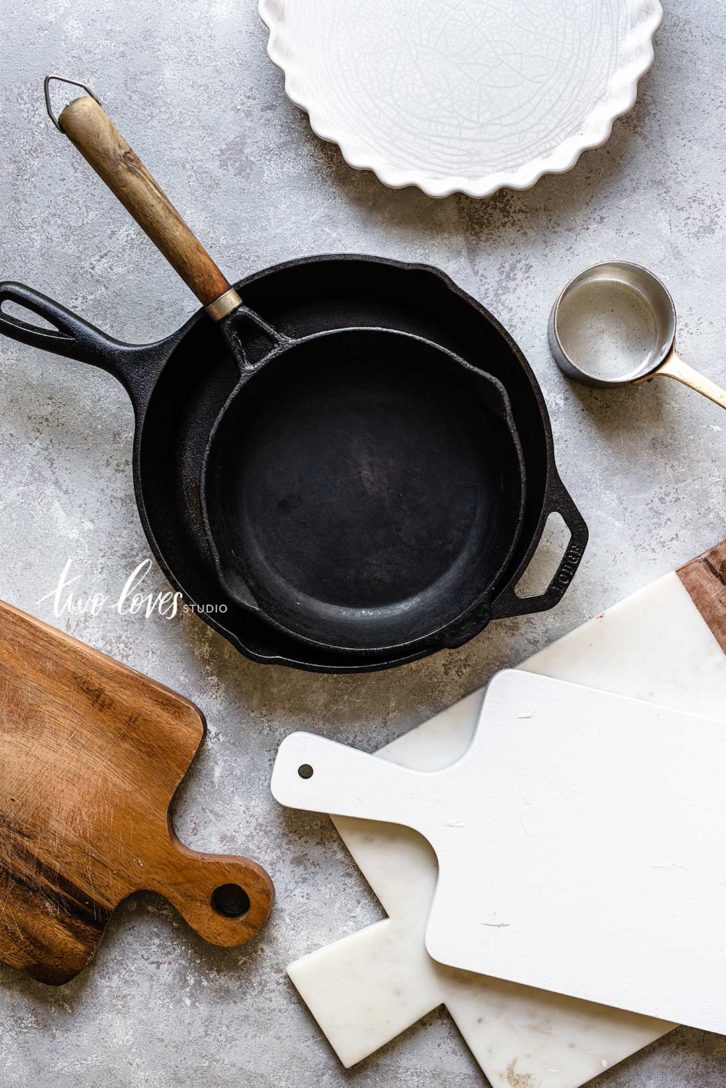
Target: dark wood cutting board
point(91, 754)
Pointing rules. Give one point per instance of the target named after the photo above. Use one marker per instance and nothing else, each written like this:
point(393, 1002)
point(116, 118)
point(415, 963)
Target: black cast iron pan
point(176, 402)
point(363, 489)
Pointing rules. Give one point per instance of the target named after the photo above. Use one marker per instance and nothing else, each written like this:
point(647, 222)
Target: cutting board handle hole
point(230, 900)
point(305, 770)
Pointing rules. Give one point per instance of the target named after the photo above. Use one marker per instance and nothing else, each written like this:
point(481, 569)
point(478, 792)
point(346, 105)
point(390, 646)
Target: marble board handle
point(320, 775)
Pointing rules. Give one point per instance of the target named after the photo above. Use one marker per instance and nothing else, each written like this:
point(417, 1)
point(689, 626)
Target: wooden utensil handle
point(90, 128)
point(224, 899)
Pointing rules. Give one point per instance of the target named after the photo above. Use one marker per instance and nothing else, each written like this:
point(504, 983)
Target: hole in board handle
point(305, 770)
point(230, 900)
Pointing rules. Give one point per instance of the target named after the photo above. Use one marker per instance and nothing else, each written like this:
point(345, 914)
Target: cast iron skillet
point(176, 401)
point(61, 341)
point(364, 488)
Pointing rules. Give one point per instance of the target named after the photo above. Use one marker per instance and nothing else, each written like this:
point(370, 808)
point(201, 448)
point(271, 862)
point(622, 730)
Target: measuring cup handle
point(508, 604)
point(674, 367)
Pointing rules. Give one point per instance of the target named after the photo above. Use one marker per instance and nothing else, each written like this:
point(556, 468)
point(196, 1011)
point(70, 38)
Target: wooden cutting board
point(608, 814)
point(666, 643)
point(91, 754)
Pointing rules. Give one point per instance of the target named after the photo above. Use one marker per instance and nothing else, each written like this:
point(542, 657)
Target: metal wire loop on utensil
point(72, 83)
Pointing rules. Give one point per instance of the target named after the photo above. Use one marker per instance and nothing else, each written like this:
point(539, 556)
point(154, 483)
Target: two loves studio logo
point(132, 598)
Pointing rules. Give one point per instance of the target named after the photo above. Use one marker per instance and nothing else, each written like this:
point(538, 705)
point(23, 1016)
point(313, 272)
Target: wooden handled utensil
point(91, 754)
point(87, 125)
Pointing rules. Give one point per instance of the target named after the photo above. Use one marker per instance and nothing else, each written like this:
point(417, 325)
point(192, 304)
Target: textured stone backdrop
point(193, 90)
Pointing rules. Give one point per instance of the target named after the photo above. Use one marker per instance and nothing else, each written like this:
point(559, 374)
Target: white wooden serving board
point(664, 642)
point(579, 840)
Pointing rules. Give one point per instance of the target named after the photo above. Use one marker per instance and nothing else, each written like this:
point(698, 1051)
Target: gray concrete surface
point(195, 93)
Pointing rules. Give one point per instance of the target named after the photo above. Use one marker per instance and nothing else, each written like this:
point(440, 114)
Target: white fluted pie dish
point(462, 95)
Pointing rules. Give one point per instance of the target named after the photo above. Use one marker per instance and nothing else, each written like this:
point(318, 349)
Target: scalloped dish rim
point(597, 127)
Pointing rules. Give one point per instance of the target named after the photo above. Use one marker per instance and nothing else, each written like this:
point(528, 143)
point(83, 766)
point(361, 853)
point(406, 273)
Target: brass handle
point(89, 127)
point(674, 367)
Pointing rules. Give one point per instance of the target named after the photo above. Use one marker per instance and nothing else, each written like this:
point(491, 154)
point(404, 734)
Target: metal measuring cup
point(615, 324)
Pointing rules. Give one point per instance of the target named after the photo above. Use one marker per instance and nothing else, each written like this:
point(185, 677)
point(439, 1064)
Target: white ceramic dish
point(462, 95)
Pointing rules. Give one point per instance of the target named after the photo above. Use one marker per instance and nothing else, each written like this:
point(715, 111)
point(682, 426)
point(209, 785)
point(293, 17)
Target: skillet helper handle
point(88, 126)
point(508, 604)
point(675, 368)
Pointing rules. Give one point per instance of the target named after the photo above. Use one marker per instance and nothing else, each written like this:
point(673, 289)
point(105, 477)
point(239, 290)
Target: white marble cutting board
point(368, 987)
point(579, 842)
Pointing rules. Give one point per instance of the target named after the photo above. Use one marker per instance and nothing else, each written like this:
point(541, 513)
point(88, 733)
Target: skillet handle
point(70, 336)
point(88, 126)
point(507, 603)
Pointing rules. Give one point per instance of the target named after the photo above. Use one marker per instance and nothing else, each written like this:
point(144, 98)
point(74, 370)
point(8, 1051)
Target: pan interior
point(364, 487)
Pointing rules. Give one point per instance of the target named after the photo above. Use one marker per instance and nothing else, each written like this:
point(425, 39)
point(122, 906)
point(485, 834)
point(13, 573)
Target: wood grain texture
point(89, 127)
point(705, 580)
point(91, 754)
